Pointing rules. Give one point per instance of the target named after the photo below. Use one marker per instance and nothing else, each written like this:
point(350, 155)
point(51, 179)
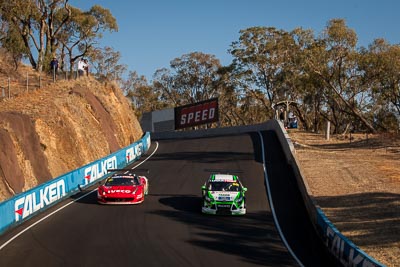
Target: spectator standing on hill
point(86, 66)
point(54, 65)
point(81, 67)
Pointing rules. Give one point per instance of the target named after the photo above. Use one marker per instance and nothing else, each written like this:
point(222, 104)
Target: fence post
point(328, 130)
point(54, 74)
point(27, 81)
point(40, 80)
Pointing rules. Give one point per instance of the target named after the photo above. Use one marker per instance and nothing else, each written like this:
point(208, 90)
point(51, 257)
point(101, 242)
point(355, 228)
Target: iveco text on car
point(123, 187)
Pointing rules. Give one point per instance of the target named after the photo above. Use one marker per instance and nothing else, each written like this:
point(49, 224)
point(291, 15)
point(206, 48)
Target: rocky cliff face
point(51, 131)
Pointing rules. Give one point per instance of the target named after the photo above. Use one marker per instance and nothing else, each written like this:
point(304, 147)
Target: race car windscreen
point(224, 186)
point(121, 182)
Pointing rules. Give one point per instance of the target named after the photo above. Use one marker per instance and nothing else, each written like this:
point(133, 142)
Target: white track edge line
point(272, 205)
point(66, 205)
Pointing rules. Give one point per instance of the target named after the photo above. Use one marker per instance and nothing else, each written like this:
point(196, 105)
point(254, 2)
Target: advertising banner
point(27, 204)
point(196, 114)
point(342, 248)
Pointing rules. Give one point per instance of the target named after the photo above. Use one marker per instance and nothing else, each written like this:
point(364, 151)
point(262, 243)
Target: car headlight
point(209, 198)
point(100, 191)
point(239, 199)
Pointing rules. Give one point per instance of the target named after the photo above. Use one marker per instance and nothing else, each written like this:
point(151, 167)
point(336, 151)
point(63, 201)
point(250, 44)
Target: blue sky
point(154, 32)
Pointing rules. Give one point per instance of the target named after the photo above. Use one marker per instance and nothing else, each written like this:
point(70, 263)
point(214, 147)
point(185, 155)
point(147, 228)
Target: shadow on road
point(364, 218)
point(252, 237)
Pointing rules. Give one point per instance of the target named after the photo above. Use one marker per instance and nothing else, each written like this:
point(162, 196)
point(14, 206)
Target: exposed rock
point(51, 131)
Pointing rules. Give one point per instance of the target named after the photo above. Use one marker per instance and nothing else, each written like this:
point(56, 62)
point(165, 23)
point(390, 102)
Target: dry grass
point(76, 122)
point(24, 79)
point(356, 181)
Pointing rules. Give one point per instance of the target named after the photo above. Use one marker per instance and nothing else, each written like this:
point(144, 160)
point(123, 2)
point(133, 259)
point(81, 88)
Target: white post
point(9, 87)
point(27, 81)
point(328, 130)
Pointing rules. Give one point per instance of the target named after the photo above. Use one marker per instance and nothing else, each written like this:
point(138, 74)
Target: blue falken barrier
point(341, 247)
point(27, 204)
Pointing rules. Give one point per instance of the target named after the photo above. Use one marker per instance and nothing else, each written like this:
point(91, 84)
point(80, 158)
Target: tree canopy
point(326, 77)
point(42, 29)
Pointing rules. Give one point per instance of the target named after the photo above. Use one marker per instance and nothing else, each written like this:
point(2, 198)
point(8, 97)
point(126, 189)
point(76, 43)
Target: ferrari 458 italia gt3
point(123, 188)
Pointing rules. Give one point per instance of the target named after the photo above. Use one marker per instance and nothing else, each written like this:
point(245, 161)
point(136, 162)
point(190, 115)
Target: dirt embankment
point(51, 131)
point(356, 181)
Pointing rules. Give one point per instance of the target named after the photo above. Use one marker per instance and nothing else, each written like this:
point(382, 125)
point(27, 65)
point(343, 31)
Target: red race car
point(123, 188)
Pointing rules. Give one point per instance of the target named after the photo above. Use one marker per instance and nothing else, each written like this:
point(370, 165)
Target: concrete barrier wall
point(208, 132)
point(27, 204)
point(342, 248)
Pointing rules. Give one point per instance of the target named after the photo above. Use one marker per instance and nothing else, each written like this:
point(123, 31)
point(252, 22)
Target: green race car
point(223, 194)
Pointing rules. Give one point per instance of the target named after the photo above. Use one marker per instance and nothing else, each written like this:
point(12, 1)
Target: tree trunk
point(354, 111)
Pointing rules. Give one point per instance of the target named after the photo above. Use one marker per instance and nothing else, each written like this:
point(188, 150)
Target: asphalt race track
point(168, 228)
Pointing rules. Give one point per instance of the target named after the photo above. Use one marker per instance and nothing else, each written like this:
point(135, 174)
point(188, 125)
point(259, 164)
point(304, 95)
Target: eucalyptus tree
point(302, 88)
point(336, 63)
point(230, 96)
point(195, 76)
point(312, 90)
point(12, 42)
point(105, 62)
point(79, 36)
point(143, 96)
point(192, 78)
point(34, 20)
point(164, 83)
point(241, 106)
point(381, 64)
point(48, 27)
point(262, 56)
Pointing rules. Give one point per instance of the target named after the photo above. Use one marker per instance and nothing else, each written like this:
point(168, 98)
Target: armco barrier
point(25, 205)
point(342, 248)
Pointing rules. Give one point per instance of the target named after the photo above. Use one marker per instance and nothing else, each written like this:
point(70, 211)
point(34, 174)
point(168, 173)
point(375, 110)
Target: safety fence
point(30, 81)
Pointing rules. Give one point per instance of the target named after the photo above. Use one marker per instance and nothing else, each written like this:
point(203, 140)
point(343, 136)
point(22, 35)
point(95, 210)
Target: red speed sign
point(196, 114)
